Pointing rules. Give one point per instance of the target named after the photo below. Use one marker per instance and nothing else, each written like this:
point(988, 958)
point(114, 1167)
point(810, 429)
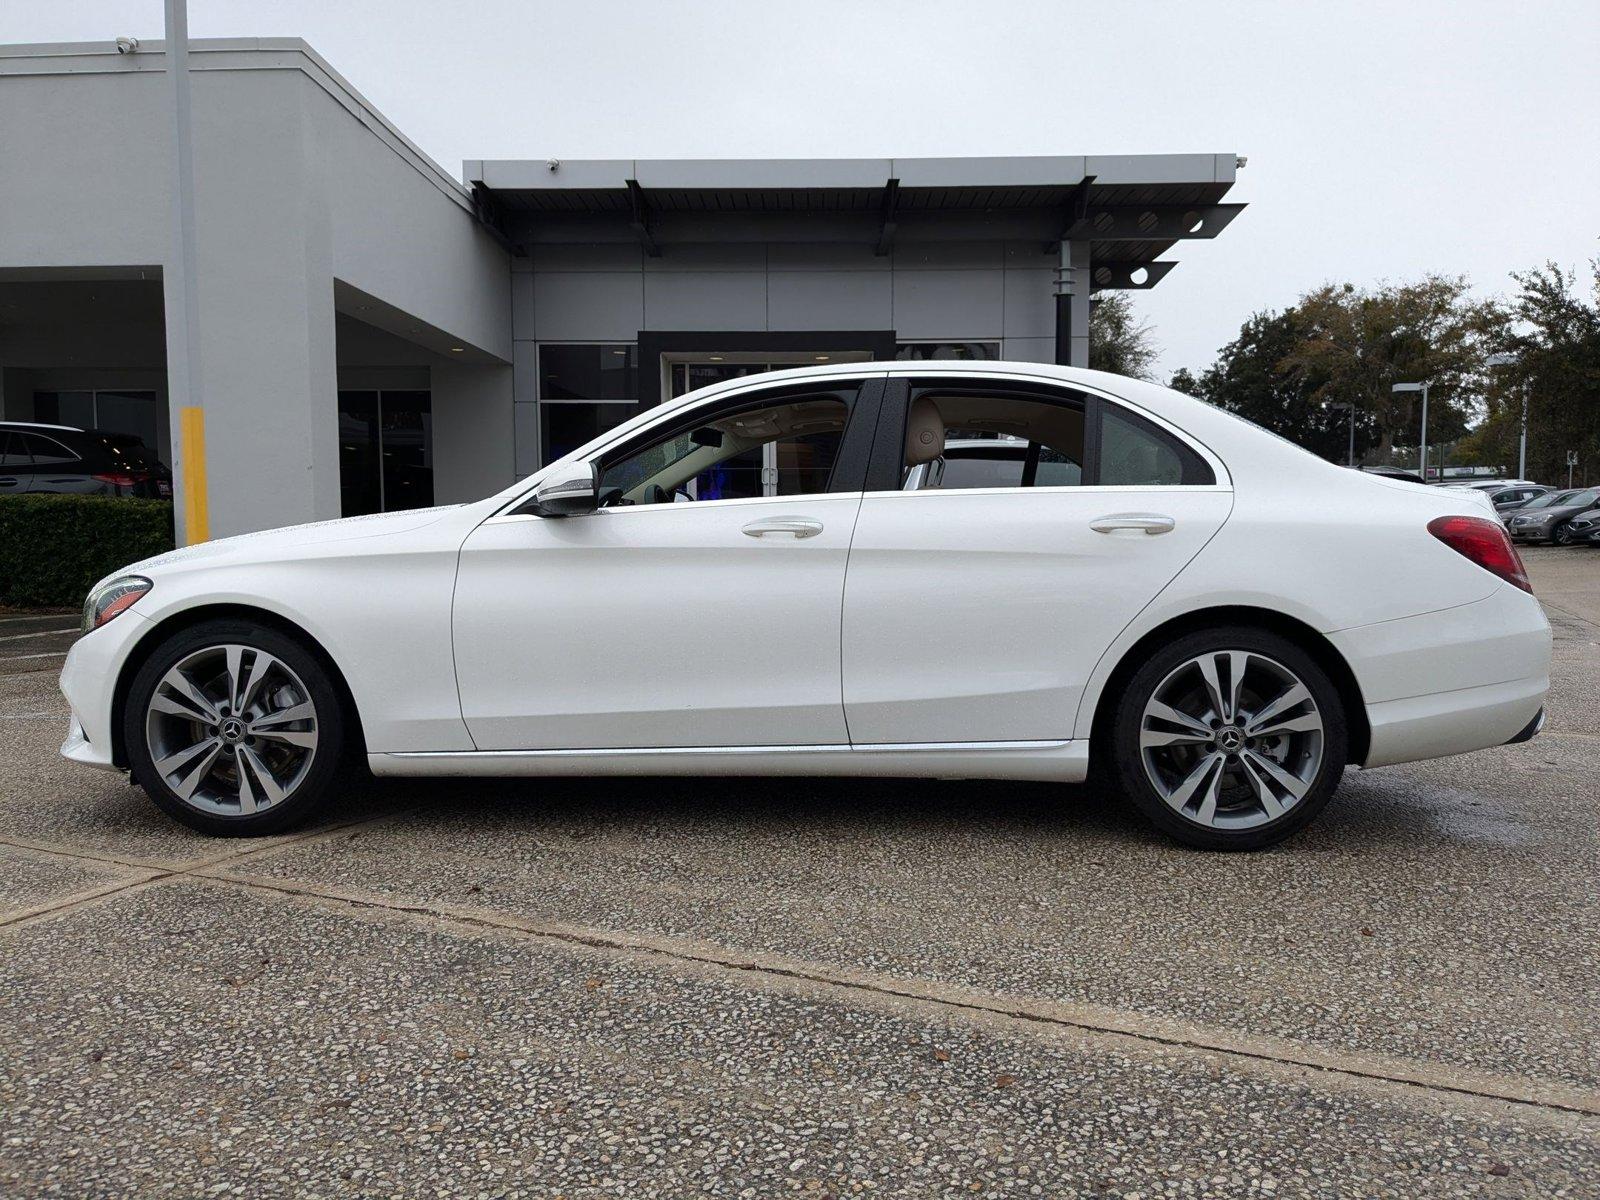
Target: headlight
point(112, 597)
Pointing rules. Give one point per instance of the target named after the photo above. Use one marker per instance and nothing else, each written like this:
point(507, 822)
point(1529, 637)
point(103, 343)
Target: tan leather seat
point(924, 432)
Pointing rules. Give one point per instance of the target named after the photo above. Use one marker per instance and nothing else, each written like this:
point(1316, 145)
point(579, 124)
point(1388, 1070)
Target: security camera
point(553, 164)
point(127, 45)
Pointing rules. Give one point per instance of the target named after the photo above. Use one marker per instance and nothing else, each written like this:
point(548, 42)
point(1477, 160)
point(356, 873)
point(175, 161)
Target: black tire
point(314, 784)
point(1128, 762)
point(1561, 535)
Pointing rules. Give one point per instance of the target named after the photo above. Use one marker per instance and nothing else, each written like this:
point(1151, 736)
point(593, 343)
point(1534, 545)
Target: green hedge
point(53, 549)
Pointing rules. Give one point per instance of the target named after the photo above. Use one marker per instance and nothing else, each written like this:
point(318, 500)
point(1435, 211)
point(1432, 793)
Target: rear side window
point(12, 452)
point(977, 433)
point(1135, 453)
point(47, 450)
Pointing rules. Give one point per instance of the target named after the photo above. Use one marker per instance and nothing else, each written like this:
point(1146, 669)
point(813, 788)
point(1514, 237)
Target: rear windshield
point(129, 450)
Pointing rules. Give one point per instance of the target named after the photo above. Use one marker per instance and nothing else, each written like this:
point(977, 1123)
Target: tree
point(1118, 341)
point(1355, 344)
point(1554, 334)
point(1259, 375)
point(1183, 380)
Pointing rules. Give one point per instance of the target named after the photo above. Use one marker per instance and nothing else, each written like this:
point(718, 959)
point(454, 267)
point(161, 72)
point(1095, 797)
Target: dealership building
point(370, 332)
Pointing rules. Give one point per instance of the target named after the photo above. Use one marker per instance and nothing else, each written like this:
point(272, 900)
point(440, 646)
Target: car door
point(698, 607)
point(56, 468)
point(16, 464)
point(977, 614)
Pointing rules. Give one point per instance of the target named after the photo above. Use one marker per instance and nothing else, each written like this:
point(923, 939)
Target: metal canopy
point(1130, 209)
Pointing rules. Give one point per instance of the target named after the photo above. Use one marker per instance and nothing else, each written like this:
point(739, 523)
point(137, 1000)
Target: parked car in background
point(1585, 528)
point(1394, 473)
point(1548, 518)
point(1506, 498)
point(1489, 485)
point(87, 462)
point(993, 462)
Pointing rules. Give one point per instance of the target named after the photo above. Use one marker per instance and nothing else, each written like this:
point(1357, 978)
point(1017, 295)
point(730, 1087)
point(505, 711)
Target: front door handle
point(1151, 523)
point(798, 527)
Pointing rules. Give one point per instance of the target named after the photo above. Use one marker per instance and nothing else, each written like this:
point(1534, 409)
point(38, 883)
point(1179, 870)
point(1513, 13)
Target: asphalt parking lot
point(820, 988)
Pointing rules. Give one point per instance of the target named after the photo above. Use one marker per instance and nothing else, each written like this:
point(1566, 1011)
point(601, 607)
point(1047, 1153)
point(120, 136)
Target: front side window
point(782, 449)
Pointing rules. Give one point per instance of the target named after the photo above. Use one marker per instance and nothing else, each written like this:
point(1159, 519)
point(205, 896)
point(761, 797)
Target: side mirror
point(568, 491)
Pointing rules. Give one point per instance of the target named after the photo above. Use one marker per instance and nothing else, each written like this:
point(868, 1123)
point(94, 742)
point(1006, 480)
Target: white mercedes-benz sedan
point(761, 578)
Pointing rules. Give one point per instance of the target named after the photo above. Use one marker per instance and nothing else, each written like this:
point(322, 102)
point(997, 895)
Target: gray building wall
point(307, 202)
point(993, 291)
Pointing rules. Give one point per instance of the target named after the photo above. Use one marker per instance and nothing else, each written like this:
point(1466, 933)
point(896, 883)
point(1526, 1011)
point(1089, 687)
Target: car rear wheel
point(234, 729)
point(1230, 739)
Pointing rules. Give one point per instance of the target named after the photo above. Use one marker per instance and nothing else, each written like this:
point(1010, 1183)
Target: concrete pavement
point(829, 988)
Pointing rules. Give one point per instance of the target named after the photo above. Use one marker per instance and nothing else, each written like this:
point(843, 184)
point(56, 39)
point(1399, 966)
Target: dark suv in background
point(89, 462)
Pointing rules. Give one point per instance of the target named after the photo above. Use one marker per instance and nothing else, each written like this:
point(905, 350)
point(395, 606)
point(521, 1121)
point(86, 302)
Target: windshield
point(1548, 499)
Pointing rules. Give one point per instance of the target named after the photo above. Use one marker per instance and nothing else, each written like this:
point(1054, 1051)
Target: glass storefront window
point(589, 372)
point(565, 427)
point(130, 412)
point(385, 451)
point(947, 351)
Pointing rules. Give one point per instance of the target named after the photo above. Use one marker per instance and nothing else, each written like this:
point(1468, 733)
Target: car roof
point(26, 425)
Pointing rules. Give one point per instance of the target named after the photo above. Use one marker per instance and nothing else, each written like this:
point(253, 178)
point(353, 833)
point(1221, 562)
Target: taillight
point(120, 478)
point(1485, 543)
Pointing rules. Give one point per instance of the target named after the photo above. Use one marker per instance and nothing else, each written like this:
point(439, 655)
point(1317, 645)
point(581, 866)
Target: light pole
point(1352, 454)
point(1423, 388)
point(1505, 360)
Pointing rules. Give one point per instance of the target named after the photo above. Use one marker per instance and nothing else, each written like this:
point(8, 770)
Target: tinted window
point(13, 453)
point(947, 351)
point(47, 450)
point(565, 427)
point(1135, 454)
point(589, 372)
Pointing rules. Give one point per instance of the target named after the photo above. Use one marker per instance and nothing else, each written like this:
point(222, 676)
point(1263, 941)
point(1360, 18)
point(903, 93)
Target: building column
point(264, 366)
point(1072, 305)
point(474, 445)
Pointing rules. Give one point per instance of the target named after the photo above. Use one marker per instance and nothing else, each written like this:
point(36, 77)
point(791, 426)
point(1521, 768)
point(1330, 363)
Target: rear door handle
point(798, 527)
point(1151, 523)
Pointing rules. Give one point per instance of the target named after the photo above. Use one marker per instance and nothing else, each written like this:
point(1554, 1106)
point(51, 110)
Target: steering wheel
point(656, 494)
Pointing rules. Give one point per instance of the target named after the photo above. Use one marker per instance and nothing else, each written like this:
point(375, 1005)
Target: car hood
point(283, 543)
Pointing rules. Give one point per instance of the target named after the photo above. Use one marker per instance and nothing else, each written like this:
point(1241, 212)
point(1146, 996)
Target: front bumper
point(89, 682)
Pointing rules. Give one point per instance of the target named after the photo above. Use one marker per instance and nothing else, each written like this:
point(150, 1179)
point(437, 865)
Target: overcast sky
point(1384, 139)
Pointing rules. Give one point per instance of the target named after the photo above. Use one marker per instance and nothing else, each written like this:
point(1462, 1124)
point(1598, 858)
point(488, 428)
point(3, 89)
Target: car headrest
point(924, 432)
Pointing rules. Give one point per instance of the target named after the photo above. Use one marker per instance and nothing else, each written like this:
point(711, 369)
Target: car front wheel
point(234, 729)
point(1230, 738)
point(1561, 535)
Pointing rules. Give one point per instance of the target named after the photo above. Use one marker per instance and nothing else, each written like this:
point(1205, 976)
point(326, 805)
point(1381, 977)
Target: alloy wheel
point(232, 730)
point(1231, 739)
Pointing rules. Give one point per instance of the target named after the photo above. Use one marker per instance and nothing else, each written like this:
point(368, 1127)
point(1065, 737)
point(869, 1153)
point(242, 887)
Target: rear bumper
point(1454, 722)
point(1453, 681)
point(1530, 730)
